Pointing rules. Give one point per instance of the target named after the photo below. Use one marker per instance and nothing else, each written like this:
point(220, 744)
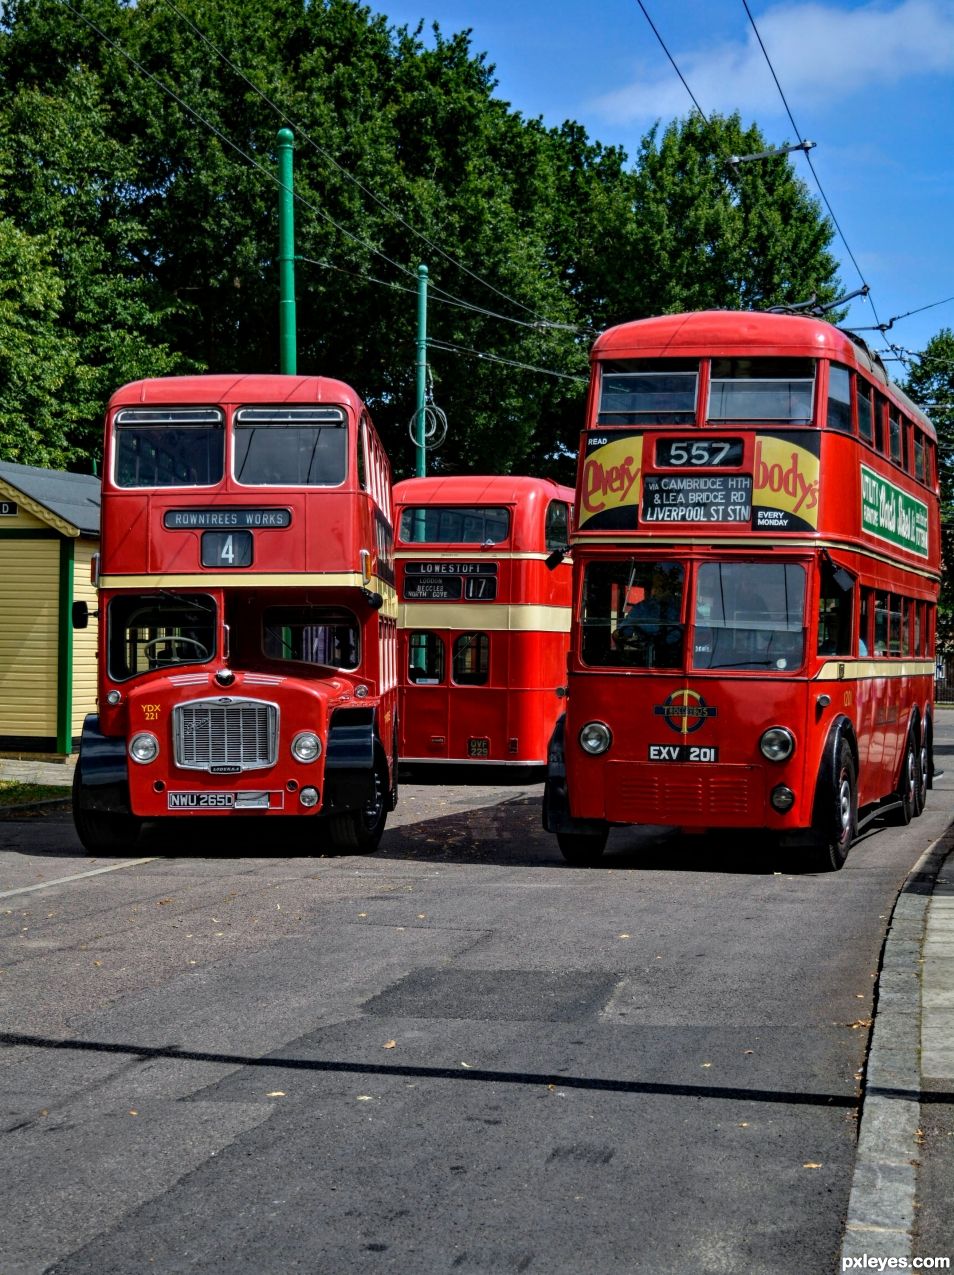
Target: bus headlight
point(595, 738)
point(777, 744)
point(144, 747)
point(306, 746)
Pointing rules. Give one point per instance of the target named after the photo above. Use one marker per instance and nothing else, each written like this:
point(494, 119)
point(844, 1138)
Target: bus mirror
point(374, 600)
point(81, 614)
point(554, 559)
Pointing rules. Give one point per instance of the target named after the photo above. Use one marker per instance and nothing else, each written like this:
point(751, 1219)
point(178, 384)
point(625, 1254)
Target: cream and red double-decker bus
point(756, 565)
point(483, 581)
point(247, 617)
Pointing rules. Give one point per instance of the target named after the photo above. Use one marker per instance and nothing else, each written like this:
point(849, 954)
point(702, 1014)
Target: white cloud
point(821, 54)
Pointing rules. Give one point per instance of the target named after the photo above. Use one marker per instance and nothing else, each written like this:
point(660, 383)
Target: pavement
point(899, 1207)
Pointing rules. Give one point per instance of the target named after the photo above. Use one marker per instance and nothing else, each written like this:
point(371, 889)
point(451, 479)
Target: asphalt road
point(456, 1055)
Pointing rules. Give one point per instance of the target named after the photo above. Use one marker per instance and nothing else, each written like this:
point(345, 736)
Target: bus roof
point(236, 388)
point(727, 333)
point(478, 489)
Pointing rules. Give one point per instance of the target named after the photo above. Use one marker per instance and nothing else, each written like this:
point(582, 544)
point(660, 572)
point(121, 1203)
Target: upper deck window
point(454, 524)
point(762, 390)
point(291, 446)
point(865, 420)
point(558, 525)
point(648, 392)
point(839, 398)
point(169, 447)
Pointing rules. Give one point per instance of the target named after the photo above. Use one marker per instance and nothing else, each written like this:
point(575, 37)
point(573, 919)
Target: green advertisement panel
point(892, 514)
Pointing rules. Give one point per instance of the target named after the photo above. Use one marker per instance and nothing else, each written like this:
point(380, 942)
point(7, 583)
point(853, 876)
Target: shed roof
point(70, 498)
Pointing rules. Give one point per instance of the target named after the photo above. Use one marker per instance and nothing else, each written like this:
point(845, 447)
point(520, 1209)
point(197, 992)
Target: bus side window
point(881, 624)
point(894, 434)
point(865, 427)
point(362, 453)
point(839, 398)
point(425, 658)
point(865, 620)
point(907, 628)
point(558, 525)
point(880, 406)
point(919, 456)
point(835, 605)
point(894, 624)
point(471, 661)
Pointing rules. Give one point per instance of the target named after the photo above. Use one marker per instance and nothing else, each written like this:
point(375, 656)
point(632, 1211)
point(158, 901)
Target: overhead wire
point(306, 203)
point(798, 133)
point(450, 348)
point(662, 42)
point(349, 176)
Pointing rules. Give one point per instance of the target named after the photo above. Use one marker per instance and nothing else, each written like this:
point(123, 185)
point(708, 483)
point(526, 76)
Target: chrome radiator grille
point(225, 732)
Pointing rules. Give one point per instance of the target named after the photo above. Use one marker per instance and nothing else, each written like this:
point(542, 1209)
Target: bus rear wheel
point(582, 849)
point(360, 831)
point(909, 787)
point(834, 844)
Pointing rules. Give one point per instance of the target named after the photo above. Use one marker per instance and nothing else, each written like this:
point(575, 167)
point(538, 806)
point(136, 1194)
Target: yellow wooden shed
point(49, 531)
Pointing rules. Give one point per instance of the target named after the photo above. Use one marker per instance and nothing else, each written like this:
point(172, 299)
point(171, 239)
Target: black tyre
point(360, 831)
point(102, 832)
point(925, 763)
point(582, 850)
point(835, 841)
point(908, 785)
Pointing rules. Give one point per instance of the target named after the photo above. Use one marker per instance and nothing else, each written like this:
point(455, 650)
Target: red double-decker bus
point(483, 617)
point(756, 558)
point(247, 614)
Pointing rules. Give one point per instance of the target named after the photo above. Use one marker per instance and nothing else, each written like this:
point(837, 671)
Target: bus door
point(478, 699)
point(425, 718)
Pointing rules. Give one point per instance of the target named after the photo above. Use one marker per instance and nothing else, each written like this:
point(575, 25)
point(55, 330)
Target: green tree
point(143, 140)
point(710, 234)
point(38, 359)
point(931, 384)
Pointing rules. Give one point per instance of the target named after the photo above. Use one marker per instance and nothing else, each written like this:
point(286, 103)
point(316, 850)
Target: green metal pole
point(288, 354)
point(421, 454)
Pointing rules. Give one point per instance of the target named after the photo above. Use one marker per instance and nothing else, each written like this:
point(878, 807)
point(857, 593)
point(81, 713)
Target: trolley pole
point(421, 454)
point(288, 355)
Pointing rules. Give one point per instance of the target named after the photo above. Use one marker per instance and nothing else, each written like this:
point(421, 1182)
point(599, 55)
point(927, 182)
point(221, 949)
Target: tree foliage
point(931, 384)
point(138, 221)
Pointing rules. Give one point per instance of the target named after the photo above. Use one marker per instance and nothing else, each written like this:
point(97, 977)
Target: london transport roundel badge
point(685, 711)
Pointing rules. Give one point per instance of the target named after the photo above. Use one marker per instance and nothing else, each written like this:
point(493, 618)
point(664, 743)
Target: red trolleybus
point(756, 559)
point(483, 617)
point(247, 616)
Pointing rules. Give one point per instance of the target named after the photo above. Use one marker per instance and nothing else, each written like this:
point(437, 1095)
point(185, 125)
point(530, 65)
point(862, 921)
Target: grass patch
point(15, 793)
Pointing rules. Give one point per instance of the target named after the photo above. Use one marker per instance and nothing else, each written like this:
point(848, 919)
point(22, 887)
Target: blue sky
point(872, 83)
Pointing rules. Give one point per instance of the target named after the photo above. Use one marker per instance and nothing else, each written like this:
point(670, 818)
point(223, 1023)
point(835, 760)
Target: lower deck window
point(425, 662)
point(147, 633)
point(311, 635)
point(471, 660)
point(749, 615)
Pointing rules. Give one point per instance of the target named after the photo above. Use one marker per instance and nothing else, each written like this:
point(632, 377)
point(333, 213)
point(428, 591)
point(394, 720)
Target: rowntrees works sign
point(891, 514)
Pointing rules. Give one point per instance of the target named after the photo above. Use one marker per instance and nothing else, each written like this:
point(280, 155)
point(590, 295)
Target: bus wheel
point(360, 831)
point(924, 770)
point(582, 849)
point(101, 832)
point(908, 787)
point(834, 845)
